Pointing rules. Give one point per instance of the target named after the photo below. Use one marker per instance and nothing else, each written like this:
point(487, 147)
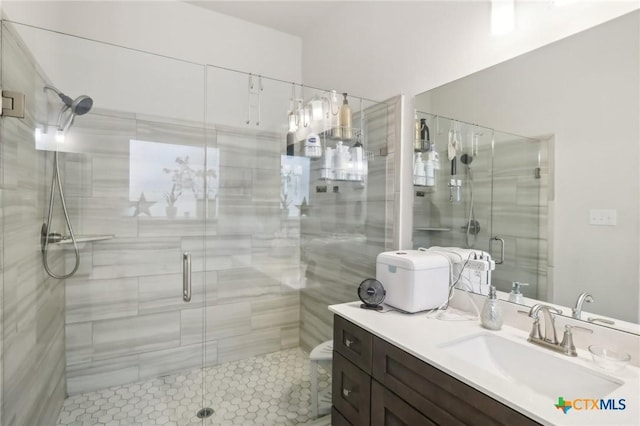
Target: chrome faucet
point(577, 311)
point(550, 338)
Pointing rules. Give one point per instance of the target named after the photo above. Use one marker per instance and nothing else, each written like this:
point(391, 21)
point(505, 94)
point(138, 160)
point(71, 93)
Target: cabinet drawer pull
point(346, 392)
point(348, 342)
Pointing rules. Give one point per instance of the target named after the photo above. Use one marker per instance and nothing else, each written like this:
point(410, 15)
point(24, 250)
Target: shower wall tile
point(86, 259)
point(236, 182)
point(32, 348)
point(282, 311)
point(183, 358)
point(102, 374)
point(77, 178)
point(163, 293)
point(149, 227)
point(170, 132)
point(245, 284)
point(106, 216)
point(116, 298)
point(127, 257)
point(192, 325)
point(227, 320)
point(255, 343)
point(135, 334)
point(79, 343)
point(103, 133)
point(290, 336)
point(110, 176)
point(238, 150)
point(218, 253)
point(221, 321)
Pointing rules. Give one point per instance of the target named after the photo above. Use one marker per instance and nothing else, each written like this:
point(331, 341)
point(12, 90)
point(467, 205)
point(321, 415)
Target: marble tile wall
point(508, 201)
point(345, 229)
point(33, 355)
point(125, 318)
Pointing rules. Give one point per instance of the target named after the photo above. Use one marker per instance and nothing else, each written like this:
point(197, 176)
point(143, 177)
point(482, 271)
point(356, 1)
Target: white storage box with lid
point(414, 280)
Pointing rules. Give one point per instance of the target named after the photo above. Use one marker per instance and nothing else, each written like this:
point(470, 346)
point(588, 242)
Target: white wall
point(171, 28)
point(124, 79)
point(380, 49)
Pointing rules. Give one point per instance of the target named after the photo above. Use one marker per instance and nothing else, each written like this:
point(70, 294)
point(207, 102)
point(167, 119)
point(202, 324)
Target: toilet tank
point(414, 280)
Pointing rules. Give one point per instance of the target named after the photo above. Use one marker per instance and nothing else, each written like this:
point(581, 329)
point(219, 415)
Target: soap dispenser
point(491, 316)
point(516, 295)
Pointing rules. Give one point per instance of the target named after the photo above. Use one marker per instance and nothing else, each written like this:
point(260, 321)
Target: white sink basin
point(531, 367)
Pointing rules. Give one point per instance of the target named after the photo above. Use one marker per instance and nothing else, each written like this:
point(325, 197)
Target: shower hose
point(48, 237)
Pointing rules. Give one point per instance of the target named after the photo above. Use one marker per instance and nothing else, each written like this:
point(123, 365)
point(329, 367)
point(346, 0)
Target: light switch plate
point(603, 217)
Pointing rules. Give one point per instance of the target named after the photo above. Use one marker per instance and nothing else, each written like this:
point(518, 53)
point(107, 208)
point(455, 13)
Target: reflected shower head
point(466, 159)
point(78, 106)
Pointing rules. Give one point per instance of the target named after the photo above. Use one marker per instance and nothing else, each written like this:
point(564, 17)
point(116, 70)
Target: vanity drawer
point(352, 342)
point(442, 398)
point(350, 391)
point(389, 410)
point(338, 419)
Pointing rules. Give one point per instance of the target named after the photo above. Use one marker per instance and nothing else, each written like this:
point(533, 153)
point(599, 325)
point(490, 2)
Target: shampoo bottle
point(491, 316)
point(345, 118)
point(425, 140)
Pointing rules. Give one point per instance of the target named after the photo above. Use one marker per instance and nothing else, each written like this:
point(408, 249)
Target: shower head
point(81, 105)
point(78, 106)
point(466, 159)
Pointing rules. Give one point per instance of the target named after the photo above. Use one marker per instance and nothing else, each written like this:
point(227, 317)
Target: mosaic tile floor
point(270, 389)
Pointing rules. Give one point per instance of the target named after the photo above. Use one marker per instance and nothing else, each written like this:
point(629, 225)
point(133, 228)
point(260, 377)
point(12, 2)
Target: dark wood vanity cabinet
point(377, 383)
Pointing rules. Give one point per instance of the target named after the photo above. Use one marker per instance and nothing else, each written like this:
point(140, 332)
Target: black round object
point(372, 293)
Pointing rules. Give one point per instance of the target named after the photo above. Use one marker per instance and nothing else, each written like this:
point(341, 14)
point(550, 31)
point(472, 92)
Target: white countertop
point(421, 336)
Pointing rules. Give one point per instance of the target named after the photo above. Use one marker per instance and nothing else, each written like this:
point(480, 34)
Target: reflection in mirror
point(579, 98)
point(484, 189)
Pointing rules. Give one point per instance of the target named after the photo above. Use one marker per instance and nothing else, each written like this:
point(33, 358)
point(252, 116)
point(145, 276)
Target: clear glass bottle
point(345, 119)
point(491, 316)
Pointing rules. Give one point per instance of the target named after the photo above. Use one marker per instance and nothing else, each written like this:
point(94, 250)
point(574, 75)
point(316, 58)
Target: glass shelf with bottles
point(321, 129)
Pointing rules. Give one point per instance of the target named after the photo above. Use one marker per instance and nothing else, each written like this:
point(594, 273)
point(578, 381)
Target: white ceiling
point(292, 17)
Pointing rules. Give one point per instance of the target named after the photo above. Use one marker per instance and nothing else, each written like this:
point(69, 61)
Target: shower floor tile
point(270, 389)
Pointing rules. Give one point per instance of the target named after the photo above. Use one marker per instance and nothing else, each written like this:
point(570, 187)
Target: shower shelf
point(86, 239)
point(434, 229)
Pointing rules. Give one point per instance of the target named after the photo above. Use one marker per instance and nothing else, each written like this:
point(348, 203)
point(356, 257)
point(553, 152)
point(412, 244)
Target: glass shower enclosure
point(201, 243)
point(489, 192)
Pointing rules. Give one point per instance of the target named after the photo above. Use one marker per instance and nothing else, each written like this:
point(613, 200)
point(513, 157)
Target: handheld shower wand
point(79, 106)
point(472, 227)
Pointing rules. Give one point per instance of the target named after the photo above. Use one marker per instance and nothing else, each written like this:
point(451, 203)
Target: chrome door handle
point(501, 249)
point(186, 276)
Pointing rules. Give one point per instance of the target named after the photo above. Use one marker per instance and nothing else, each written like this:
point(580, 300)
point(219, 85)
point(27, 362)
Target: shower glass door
point(137, 178)
point(502, 182)
point(519, 197)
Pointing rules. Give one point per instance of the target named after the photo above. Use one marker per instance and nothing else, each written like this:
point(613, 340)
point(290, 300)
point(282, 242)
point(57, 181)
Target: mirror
point(580, 97)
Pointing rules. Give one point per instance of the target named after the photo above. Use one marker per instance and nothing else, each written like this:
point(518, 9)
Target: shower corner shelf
point(86, 239)
point(434, 229)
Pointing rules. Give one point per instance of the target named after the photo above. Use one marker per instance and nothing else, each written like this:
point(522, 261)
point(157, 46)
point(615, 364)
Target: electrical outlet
point(603, 217)
point(478, 265)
